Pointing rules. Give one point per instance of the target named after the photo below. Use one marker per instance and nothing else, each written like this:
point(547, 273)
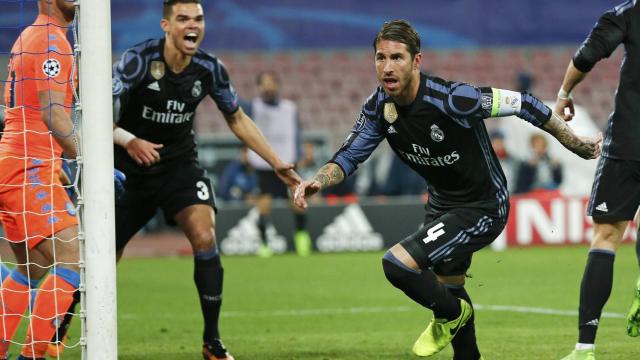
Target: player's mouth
point(390, 83)
point(191, 40)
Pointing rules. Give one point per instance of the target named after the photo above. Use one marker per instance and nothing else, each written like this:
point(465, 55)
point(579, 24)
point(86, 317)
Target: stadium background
point(323, 52)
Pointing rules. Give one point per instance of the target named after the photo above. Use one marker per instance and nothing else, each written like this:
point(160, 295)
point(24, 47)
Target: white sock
point(580, 346)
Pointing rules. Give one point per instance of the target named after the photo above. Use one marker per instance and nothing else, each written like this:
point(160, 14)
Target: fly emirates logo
point(422, 156)
point(173, 115)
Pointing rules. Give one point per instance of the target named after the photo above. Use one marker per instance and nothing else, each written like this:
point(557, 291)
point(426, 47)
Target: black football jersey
point(620, 25)
point(441, 136)
point(156, 105)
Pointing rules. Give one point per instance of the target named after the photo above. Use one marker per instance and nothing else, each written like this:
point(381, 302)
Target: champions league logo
point(51, 67)
point(196, 90)
point(437, 135)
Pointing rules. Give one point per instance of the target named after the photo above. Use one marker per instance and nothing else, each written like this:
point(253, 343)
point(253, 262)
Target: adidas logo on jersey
point(154, 86)
point(593, 322)
point(391, 130)
point(244, 238)
point(350, 231)
point(602, 207)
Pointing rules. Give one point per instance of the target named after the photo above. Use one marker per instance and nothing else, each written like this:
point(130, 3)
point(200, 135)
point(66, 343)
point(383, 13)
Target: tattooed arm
point(329, 175)
point(585, 147)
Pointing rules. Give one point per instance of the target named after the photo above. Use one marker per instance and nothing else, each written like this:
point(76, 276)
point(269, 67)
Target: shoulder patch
point(51, 68)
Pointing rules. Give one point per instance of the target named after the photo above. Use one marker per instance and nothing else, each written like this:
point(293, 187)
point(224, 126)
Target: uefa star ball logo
point(51, 67)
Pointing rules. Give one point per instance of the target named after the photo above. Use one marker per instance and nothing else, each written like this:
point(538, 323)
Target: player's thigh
point(135, 207)
point(608, 234)
point(615, 195)
point(452, 237)
point(34, 210)
point(189, 186)
point(198, 223)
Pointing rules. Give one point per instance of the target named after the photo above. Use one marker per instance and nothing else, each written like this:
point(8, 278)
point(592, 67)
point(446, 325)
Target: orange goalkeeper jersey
point(41, 60)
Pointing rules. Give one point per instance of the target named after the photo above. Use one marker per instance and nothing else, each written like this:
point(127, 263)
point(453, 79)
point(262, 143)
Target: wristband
point(563, 95)
point(122, 136)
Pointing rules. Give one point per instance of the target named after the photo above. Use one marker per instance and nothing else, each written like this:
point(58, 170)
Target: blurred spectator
point(238, 181)
point(524, 82)
point(540, 171)
point(278, 120)
point(510, 165)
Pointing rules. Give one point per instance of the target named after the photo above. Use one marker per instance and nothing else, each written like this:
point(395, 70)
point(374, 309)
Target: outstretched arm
point(329, 175)
point(247, 131)
point(585, 147)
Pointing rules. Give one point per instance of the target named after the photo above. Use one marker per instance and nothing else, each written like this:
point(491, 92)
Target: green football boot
point(264, 252)
point(440, 332)
point(633, 318)
point(302, 241)
point(587, 354)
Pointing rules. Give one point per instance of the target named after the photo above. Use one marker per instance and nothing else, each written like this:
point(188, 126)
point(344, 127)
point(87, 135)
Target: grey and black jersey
point(620, 25)
point(157, 105)
point(441, 136)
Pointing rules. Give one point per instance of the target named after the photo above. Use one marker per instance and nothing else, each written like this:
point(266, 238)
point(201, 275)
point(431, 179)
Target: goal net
point(56, 244)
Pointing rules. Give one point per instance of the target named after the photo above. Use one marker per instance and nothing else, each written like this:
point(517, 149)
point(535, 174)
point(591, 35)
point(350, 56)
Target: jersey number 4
point(434, 232)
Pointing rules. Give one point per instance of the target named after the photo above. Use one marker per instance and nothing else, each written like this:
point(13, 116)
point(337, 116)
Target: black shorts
point(270, 183)
point(171, 192)
point(448, 239)
point(615, 195)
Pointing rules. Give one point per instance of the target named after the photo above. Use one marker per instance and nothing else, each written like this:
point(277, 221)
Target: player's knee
point(607, 235)
point(394, 270)
point(203, 239)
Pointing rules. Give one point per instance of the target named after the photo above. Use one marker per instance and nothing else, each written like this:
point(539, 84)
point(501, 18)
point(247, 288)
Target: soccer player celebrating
point(157, 86)
point(615, 196)
point(436, 127)
point(36, 213)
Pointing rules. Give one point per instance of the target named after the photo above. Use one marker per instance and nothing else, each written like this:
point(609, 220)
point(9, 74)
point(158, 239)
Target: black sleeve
point(606, 35)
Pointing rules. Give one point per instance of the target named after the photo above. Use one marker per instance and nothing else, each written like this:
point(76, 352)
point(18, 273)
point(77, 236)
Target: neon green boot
point(302, 241)
point(587, 354)
point(633, 318)
point(440, 332)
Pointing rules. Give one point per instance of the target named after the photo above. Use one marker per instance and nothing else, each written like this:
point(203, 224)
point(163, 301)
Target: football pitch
point(340, 306)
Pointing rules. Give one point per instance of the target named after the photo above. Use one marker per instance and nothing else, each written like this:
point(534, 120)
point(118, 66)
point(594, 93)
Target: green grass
point(341, 307)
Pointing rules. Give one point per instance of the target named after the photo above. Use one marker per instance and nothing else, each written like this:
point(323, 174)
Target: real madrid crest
point(157, 69)
point(196, 90)
point(390, 112)
point(437, 135)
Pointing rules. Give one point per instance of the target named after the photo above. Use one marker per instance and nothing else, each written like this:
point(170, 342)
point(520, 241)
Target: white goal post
point(97, 192)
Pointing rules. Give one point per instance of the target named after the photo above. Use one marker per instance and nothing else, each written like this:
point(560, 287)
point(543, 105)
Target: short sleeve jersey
point(620, 25)
point(156, 105)
point(41, 59)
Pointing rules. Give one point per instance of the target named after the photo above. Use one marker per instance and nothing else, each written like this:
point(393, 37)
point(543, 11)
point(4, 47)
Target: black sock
point(262, 227)
point(422, 287)
point(594, 293)
point(208, 274)
point(300, 220)
point(63, 327)
point(464, 344)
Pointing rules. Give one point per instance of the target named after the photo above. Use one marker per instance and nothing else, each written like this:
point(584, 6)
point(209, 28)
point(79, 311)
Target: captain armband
point(504, 102)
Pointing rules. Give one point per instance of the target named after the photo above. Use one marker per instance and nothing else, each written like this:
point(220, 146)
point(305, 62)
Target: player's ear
point(417, 61)
point(164, 24)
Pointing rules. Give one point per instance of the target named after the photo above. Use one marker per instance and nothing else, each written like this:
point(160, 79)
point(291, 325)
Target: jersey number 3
point(203, 190)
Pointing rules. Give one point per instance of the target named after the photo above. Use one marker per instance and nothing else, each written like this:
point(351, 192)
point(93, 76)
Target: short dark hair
point(401, 31)
point(271, 73)
point(167, 5)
